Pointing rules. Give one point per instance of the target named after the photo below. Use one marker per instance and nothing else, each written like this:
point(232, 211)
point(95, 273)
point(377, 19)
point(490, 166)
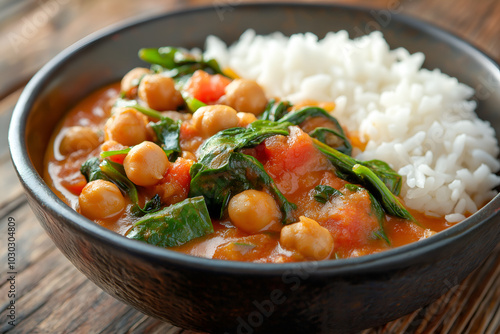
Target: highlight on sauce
point(189, 157)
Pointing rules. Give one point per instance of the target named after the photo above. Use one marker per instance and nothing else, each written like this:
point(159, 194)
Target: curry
point(189, 157)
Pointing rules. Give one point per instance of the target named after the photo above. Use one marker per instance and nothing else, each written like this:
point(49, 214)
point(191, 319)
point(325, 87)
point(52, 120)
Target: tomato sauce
point(294, 164)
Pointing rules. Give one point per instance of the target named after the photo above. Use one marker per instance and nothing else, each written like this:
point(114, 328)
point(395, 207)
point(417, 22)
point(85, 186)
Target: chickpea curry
point(186, 156)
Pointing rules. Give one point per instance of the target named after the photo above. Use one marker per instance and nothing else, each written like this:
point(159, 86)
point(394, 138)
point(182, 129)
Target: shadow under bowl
point(225, 296)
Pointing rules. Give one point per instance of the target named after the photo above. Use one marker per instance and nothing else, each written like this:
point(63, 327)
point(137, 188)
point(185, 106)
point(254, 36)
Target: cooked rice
point(419, 121)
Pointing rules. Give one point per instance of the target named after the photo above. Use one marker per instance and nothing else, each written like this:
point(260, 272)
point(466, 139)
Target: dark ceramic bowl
point(225, 296)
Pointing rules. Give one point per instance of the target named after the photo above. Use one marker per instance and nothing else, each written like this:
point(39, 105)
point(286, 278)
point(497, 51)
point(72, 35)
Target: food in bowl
point(314, 150)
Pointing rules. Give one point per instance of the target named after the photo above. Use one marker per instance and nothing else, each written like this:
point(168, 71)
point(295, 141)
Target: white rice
point(419, 121)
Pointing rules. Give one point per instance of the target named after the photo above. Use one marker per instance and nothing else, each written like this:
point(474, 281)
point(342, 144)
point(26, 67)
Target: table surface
point(53, 297)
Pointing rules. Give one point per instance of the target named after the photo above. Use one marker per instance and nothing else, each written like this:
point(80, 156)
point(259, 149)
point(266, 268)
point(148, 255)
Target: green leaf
point(94, 169)
point(193, 104)
point(345, 163)
point(161, 56)
point(375, 175)
point(323, 193)
point(352, 187)
point(237, 172)
point(140, 108)
point(298, 116)
point(177, 63)
point(334, 138)
point(107, 154)
point(217, 148)
point(376, 209)
point(275, 110)
point(391, 178)
point(222, 172)
point(174, 225)
point(153, 205)
point(168, 133)
point(116, 174)
point(91, 170)
point(390, 203)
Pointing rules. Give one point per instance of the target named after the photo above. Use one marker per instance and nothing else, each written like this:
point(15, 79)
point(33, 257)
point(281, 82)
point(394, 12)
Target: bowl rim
point(39, 190)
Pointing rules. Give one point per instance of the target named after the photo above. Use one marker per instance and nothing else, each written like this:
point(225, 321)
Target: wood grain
point(53, 297)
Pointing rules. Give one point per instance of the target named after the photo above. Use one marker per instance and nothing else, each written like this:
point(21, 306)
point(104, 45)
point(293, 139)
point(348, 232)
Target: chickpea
point(246, 96)
point(245, 118)
point(101, 199)
point(209, 120)
point(159, 92)
point(177, 116)
point(111, 145)
point(189, 156)
point(127, 126)
point(146, 163)
point(130, 81)
point(308, 238)
point(253, 211)
point(78, 138)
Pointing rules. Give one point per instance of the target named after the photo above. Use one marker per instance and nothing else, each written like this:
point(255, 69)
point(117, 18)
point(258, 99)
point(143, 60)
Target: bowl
point(225, 296)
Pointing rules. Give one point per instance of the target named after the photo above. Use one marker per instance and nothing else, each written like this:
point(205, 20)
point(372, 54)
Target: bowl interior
point(106, 56)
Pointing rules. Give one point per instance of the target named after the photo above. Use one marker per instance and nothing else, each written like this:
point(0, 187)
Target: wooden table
point(53, 297)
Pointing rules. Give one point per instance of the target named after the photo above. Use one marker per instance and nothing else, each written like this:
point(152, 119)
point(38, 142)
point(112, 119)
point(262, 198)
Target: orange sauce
point(295, 165)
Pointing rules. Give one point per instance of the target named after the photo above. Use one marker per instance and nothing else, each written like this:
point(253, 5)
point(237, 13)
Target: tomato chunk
point(112, 145)
point(291, 160)
point(352, 223)
point(206, 87)
point(174, 187)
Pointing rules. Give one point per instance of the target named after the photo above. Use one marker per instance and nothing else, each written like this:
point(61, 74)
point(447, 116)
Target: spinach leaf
point(192, 103)
point(333, 139)
point(163, 56)
point(341, 143)
point(174, 225)
point(352, 187)
point(94, 169)
point(167, 133)
point(222, 172)
point(376, 209)
point(323, 193)
point(391, 178)
point(91, 170)
point(345, 163)
point(298, 116)
point(167, 130)
point(153, 205)
point(237, 172)
point(390, 203)
point(218, 147)
point(134, 104)
point(107, 154)
point(116, 174)
point(177, 63)
point(275, 110)
point(377, 177)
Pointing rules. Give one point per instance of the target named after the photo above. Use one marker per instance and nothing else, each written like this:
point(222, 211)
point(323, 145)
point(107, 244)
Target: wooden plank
point(461, 17)
point(477, 302)
point(32, 244)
